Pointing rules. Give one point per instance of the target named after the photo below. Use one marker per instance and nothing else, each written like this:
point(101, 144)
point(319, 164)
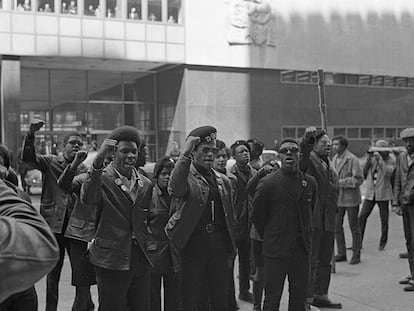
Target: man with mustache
point(122, 197)
point(282, 213)
point(202, 225)
point(54, 208)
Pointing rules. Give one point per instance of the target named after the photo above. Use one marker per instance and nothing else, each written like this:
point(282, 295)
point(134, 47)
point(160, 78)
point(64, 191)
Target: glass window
point(46, 6)
point(366, 132)
point(92, 8)
point(23, 5)
point(390, 132)
point(69, 7)
point(134, 9)
point(154, 11)
point(1, 4)
point(174, 12)
point(339, 131)
point(288, 132)
point(104, 86)
point(353, 132)
point(379, 132)
point(113, 8)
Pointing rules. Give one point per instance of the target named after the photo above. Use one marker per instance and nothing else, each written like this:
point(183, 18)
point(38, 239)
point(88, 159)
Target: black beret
point(126, 133)
point(240, 143)
point(289, 140)
point(206, 133)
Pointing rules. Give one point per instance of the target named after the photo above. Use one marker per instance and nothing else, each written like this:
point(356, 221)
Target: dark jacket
point(158, 244)
point(28, 249)
point(275, 213)
point(53, 200)
point(324, 215)
point(401, 170)
point(242, 200)
point(81, 224)
point(120, 220)
point(190, 192)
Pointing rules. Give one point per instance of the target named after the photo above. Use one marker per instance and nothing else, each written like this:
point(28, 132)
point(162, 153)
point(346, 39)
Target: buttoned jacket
point(324, 215)
point(53, 201)
point(190, 191)
point(121, 221)
point(350, 177)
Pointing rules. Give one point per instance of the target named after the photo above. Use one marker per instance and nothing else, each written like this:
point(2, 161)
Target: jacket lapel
point(118, 182)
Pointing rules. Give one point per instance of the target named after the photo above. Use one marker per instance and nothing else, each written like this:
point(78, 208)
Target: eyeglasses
point(291, 149)
point(207, 150)
point(75, 142)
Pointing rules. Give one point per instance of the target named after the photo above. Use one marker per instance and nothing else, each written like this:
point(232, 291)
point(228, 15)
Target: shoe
point(405, 281)
point(309, 307)
point(339, 258)
point(409, 288)
point(248, 297)
point(381, 247)
point(355, 260)
point(403, 255)
point(326, 303)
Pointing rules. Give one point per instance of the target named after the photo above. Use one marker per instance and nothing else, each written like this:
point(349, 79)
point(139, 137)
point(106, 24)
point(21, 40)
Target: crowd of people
point(176, 236)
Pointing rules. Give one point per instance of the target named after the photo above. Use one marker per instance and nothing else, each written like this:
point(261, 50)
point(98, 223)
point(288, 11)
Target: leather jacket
point(120, 220)
point(158, 248)
point(190, 191)
point(28, 249)
point(53, 201)
point(81, 224)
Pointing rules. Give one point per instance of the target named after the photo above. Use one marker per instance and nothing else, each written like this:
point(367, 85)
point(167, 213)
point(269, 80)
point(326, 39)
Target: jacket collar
point(347, 156)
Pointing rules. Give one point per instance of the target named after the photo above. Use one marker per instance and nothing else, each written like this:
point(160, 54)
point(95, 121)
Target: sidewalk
point(369, 286)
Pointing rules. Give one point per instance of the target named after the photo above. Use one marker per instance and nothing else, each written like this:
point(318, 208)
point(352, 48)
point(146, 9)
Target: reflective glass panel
point(23, 5)
point(113, 8)
point(92, 8)
point(69, 7)
point(174, 12)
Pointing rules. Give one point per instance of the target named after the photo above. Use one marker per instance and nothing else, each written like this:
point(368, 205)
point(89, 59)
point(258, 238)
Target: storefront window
point(134, 9)
point(23, 5)
point(174, 12)
point(92, 8)
point(1, 4)
point(154, 11)
point(46, 6)
point(69, 7)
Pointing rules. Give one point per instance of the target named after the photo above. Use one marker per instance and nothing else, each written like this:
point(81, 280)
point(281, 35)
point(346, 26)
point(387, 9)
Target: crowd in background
point(175, 234)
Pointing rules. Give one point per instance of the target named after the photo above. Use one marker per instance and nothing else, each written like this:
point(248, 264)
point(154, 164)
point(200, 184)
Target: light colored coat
point(382, 190)
point(350, 177)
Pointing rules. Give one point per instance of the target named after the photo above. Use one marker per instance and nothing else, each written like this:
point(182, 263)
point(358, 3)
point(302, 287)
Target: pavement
point(371, 285)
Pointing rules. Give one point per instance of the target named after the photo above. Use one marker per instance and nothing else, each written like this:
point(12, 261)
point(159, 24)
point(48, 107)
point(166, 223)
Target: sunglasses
point(75, 142)
point(291, 149)
point(207, 150)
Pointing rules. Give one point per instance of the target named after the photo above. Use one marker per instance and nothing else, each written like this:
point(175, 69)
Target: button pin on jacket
point(304, 183)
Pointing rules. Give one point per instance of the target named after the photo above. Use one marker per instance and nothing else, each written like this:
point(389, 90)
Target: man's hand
point(35, 125)
point(263, 171)
point(79, 158)
point(4, 172)
point(107, 149)
point(397, 209)
point(309, 134)
point(190, 144)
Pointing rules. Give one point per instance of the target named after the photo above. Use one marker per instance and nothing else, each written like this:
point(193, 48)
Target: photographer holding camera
point(377, 174)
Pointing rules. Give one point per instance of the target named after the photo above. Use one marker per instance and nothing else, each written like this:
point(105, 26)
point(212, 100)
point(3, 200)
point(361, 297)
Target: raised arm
point(29, 154)
point(65, 180)
point(28, 249)
point(306, 146)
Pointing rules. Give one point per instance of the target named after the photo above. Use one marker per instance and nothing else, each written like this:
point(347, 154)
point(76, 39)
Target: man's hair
point(126, 133)
point(237, 143)
point(4, 152)
point(257, 145)
point(66, 138)
point(164, 162)
point(342, 140)
point(221, 145)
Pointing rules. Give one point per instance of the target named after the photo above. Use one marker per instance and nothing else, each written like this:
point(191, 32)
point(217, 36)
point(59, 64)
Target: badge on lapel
point(118, 182)
point(304, 183)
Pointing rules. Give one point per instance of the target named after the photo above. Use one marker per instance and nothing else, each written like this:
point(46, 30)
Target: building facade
point(166, 66)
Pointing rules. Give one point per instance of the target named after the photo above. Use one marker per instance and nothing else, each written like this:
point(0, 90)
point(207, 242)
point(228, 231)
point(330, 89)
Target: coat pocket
point(103, 243)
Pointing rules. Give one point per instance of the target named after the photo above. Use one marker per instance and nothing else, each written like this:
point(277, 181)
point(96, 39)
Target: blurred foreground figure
point(28, 249)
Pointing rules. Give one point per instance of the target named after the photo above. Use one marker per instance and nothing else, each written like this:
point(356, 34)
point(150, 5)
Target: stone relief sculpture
point(251, 22)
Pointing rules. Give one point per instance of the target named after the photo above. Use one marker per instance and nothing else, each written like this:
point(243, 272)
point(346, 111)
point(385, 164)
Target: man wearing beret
point(315, 146)
point(403, 201)
point(122, 197)
point(202, 225)
point(282, 213)
point(243, 207)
